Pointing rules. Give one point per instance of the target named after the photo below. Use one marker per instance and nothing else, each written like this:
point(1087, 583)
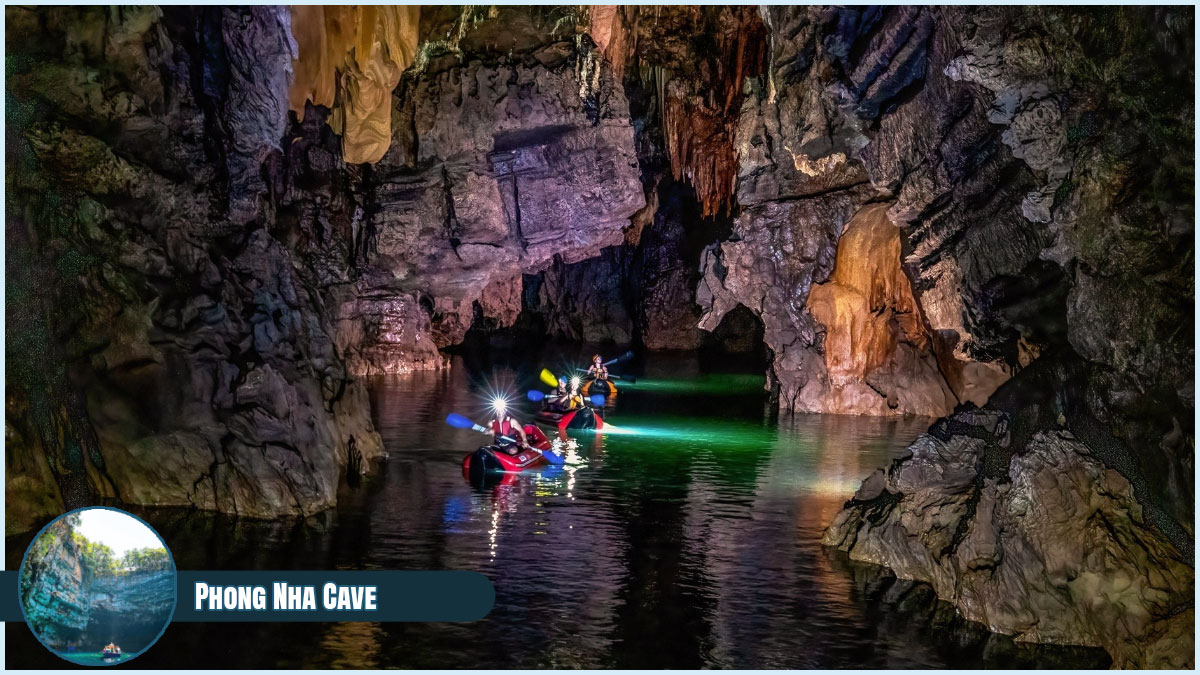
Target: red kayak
point(495, 459)
point(584, 418)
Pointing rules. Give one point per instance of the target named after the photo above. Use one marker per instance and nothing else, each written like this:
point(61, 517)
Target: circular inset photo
point(97, 586)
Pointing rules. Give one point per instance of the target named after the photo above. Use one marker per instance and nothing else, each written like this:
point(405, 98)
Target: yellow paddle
point(549, 378)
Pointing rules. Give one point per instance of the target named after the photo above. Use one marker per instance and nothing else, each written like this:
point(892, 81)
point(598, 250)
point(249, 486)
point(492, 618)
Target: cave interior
point(221, 221)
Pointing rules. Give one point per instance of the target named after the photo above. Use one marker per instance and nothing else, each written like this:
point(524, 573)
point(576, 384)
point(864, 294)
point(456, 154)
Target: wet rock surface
point(997, 150)
point(138, 603)
point(218, 276)
point(920, 109)
point(176, 341)
point(1052, 547)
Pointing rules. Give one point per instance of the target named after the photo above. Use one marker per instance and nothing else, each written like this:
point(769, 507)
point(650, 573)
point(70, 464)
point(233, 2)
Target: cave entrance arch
point(736, 344)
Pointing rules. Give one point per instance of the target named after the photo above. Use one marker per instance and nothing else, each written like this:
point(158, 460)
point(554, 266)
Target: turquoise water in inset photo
point(95, 658)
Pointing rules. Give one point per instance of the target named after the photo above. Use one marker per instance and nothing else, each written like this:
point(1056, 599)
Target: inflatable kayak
point(491, 459)
point(603, 387)
point(583, 418)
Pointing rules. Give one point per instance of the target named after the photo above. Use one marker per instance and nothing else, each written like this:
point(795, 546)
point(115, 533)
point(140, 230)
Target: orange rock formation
point(349, 59)
point(877, 349)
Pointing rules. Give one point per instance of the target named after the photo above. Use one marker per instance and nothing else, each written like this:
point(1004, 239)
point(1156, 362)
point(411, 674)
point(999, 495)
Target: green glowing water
point(720, 384)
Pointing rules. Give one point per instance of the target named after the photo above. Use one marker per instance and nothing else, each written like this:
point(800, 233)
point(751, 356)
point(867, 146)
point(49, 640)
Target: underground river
point(688, 540)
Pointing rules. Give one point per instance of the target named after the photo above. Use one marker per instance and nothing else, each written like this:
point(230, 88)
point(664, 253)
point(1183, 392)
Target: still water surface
point(688, 540)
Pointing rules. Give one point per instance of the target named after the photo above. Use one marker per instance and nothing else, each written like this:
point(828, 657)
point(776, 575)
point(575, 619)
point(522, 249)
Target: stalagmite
point(874, 333)
point(349, 59)
point(868, 290)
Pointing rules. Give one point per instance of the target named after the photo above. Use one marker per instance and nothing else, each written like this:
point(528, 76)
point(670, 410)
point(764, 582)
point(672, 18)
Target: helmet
point(596, 357)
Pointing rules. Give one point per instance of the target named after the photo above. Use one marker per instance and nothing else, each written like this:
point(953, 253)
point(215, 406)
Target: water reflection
point(690, 542)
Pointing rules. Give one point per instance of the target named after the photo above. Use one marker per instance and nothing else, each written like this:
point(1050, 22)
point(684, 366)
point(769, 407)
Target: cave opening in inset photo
point(97, 586)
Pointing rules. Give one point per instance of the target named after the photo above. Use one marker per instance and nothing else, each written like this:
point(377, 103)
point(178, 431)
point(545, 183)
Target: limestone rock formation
point(53, 593)
point(876, 347)
point(512, 164)
point(809, 133)
point(998, 147)
point(1046, 543)
point(137, 602)
point(349, 59)
point(172, 338)
point(583, 302)
point(923, 207)
point(696, 60)
point(1025, 156)
point(197, 280)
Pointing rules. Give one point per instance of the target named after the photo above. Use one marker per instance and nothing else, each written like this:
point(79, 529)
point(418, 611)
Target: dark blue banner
point(305, 595)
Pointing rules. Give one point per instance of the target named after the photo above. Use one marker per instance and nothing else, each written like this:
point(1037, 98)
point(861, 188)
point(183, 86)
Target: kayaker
point(558, 399)
point(504, 424)
point(574, 398)
point(598, 371)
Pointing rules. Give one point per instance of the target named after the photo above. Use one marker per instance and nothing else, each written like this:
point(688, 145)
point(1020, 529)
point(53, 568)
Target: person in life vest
point(558, 399)
point(598, 371)
point(574, 398)
point(504, 424)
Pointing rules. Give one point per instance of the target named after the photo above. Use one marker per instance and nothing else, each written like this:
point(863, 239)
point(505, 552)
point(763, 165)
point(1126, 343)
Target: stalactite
point(711, 163)
point(614, 30)
point(698, 109)
point(349, 59)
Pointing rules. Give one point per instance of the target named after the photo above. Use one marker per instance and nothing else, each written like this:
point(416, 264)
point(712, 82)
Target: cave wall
point(54, 589)
point(1035, 538)
point(1017, 150)
point(875, 338)
point(165, 348)
point(640, 292)
point(199, 279)
point(132, 608)
point(500, 165)
point(1036, 163)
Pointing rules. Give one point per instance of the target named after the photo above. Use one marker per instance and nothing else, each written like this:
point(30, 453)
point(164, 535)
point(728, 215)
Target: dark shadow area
point(740, 333)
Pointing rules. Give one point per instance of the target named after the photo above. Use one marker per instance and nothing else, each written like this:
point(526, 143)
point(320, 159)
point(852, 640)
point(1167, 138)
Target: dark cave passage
point(738, 336)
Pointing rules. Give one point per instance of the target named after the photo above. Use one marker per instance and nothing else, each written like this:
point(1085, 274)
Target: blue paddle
point(624, 378)
point(626, 355)
point(535, 396)
point(459, 422)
